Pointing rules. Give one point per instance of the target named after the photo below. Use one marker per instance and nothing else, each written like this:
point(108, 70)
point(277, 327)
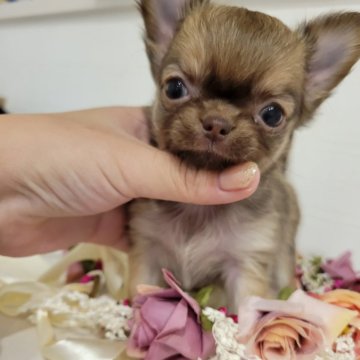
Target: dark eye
point(272, 115)
point(175, 89)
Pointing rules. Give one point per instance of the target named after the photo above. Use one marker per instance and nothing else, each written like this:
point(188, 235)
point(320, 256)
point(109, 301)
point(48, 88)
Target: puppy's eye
point(272, 115)
point(175, 89)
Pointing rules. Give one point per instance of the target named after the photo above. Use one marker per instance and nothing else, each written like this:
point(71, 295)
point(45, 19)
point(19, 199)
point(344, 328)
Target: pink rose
point(342, 271)
point(167, 325)
point(299, 328)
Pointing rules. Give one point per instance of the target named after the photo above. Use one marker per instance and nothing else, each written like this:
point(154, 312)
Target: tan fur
point(234, 62)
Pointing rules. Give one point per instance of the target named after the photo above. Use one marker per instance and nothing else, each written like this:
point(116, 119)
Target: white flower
point(313, 279)
point(344, 350)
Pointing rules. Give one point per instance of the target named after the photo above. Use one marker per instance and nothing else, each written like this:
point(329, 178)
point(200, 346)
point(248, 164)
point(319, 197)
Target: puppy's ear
point(162, 19)
point(333, 47)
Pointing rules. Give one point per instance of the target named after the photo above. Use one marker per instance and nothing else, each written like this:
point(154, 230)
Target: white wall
point(87, 60)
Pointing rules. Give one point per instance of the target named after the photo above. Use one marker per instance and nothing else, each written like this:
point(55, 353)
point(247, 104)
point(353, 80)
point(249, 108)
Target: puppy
point(232, 86)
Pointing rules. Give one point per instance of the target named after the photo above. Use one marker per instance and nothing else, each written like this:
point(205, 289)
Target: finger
point(62, 233)
point(114, 120)
point(158, 175)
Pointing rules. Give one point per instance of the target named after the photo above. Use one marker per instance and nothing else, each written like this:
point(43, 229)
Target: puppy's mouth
point(212, 144)
point(205, 154)
point(204, 159)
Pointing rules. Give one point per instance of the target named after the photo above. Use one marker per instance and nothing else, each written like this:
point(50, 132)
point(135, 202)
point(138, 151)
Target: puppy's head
point(234, 84)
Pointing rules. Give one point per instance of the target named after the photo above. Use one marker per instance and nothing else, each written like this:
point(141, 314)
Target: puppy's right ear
point(162, 19)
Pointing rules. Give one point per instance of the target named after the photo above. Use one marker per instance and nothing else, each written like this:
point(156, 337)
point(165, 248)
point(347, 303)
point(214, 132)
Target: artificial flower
point(311, 277)
point(356, 338)
point(345, 298)
point(78, 270)
point(299, 328)
point(167, 325)
point(350, 300)
point(342, 271)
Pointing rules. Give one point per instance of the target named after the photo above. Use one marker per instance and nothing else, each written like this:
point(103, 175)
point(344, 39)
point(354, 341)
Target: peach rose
point(345, 298)
point(299, 328)
point(349, 300)
point(283, 337)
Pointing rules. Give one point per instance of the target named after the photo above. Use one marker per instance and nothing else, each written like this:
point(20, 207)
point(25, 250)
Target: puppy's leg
point(284, 266)
point(142, 268)
point(285, 260)
point(246, 278)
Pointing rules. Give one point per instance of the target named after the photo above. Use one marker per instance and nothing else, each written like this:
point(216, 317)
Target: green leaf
point(203, 296)
point(88, 265)
point(206, 324)
point(317, 261)
point(285, 293)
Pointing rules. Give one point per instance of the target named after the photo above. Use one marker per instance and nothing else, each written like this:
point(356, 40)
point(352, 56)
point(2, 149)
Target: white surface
point(23, 345)
point(29, 8)
point(94, 59)
point(25, 268)
point(28, 268)
point(18, 341)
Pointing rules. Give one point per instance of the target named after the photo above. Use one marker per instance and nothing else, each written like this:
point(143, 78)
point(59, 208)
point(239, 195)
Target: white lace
point(344, 350)
point(102, 314)
point(224, 332)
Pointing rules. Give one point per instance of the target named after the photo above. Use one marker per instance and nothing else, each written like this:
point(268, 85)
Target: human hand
point(65, 176)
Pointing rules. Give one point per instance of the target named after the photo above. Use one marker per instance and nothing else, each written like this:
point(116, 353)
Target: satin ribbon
point(24, 298)
point(74, 347)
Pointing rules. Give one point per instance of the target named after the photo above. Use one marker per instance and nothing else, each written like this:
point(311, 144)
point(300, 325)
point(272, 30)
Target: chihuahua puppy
point(232, 86)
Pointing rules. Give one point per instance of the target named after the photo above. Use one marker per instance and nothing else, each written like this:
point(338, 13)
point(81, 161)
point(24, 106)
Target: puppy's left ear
point(333, 47)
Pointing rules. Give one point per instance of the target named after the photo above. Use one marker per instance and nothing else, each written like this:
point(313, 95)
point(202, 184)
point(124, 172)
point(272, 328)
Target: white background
point(64, 62)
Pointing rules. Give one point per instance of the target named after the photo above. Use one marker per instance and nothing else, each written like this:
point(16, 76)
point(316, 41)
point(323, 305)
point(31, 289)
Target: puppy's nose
point(216, 128)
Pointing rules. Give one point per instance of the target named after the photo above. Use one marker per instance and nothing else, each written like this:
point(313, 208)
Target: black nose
point(216, 128)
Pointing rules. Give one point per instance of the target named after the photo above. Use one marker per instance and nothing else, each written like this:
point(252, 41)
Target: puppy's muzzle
point(216, 128)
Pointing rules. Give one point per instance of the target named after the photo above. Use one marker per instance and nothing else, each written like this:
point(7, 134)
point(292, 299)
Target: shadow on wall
point(2, 106)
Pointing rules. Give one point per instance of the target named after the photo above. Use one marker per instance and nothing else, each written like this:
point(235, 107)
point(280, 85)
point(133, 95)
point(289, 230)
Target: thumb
point(159, 175)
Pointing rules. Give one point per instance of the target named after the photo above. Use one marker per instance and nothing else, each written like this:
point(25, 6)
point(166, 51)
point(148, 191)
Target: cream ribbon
point(24, 298)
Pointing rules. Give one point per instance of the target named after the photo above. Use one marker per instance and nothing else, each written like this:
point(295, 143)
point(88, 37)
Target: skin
point(65, 178)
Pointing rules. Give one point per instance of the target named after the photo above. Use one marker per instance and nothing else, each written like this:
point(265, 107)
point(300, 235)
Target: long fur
point(234, 62)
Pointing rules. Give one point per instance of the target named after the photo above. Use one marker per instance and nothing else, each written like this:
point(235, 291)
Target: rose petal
point(281, 330)
point(341, 268)
point(356, 338)
point(75, 272)
point(332, 319)
point(274, 351)
point(251, 310)
point(172, 282)
point(342, 296)
point(157, 312)
point(148, 289)
point(132, 346)
point(167, 325)
point(182, 335)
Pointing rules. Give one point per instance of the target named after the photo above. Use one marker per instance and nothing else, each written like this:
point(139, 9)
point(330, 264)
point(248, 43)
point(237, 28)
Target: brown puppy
point(233, 85)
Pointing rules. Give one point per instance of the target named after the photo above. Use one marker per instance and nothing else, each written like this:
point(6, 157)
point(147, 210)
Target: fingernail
point(238, 178)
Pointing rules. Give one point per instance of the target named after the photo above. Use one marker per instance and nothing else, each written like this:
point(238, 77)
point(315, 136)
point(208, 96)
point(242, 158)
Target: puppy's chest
point(196, 241)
